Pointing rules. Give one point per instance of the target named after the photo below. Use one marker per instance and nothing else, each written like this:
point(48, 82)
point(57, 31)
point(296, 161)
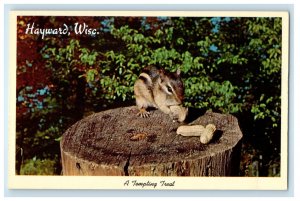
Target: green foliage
point(212, 78)
point(36, 166)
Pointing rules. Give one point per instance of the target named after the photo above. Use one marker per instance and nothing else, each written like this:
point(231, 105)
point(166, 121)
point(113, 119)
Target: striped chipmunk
point(156, 88)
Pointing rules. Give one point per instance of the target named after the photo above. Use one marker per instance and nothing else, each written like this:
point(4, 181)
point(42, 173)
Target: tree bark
point(118, 143)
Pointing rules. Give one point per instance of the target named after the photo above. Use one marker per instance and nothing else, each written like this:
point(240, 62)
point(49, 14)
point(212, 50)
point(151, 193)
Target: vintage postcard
point(174, 100)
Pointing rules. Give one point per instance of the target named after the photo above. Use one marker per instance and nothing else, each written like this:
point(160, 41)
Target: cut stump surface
point(118, 143)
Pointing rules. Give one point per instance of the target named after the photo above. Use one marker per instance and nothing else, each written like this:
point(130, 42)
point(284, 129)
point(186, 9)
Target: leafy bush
point(38, 167)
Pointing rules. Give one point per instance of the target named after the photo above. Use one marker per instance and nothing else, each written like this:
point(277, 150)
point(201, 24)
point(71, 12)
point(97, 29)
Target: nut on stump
point(193, 130)
point(206, 134)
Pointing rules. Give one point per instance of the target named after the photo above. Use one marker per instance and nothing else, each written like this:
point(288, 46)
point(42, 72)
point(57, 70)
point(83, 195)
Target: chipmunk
point(159, 89)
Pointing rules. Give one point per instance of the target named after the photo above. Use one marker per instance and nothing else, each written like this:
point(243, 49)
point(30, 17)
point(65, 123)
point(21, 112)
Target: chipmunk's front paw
point(143, 113)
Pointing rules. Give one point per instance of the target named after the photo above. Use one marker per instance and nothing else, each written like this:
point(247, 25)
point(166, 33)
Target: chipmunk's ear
point(178, 72)
point(162, 72)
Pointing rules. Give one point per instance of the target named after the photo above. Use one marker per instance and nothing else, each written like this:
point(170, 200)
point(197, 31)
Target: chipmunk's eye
point(169, 89)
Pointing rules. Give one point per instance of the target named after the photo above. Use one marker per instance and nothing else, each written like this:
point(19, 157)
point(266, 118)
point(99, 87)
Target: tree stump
point(118, 143)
